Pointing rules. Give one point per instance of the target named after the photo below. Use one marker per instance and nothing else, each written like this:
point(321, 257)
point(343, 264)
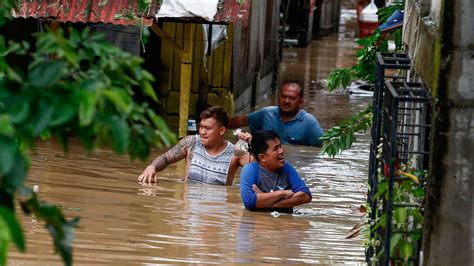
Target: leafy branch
point(365, 65)
point(341, 137)
point(76, 85)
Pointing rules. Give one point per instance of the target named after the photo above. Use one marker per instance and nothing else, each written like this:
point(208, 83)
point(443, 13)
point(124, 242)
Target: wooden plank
point(217, 63)
point(185, 80)
point(203, 78)
point(227, 69)
point(167, 58)
point(167, 39)
point(197, 58)
point(179, 37)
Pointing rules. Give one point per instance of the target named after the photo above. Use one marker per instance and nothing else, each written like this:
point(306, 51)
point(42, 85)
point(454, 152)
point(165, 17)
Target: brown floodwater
point(124, 222)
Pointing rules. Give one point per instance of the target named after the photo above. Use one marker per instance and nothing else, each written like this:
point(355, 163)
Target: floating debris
point(275, 214)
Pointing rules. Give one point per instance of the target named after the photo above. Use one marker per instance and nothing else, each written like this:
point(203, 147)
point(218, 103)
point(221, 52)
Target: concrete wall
point(440, 38)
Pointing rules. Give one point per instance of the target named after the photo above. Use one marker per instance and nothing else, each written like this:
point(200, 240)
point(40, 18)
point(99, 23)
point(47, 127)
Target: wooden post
point(186, 71)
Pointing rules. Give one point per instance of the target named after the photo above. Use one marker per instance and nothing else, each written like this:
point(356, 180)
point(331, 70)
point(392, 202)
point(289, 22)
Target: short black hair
point(259, 143)
point(218, 113)
point(293, 84)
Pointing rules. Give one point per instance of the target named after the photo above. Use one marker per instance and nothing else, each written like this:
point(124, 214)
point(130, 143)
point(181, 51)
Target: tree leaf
point(87, 107)
point(6, 127)
point(8, 149)
point(381, 189)
point(148, 90)
point(19, 110)
point(63, 112)
point(120, 134)
point(17, 174)
point(5, 238)
point(396, 237)
point(14, 227)
point(60, 229)
point(406, 250)
point(41, 121)
point(46, 74)
point(400, 214)
point(120, 99)
point(157, 120)
point(63, 245)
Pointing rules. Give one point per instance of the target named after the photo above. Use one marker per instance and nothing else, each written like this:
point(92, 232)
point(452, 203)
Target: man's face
point(289, 100)
point(274, 157)
point(210, 131)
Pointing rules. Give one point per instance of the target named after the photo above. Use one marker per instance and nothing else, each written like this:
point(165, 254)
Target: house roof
point(119, 12)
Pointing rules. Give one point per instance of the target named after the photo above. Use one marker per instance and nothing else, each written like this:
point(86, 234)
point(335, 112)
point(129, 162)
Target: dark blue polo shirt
point(303, 129)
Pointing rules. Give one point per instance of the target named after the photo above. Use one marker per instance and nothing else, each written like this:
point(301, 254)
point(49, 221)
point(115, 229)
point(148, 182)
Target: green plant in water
point(77, 85)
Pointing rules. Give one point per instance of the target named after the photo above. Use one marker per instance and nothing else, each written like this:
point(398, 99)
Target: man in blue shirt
point(293, 124)
point(271, 183)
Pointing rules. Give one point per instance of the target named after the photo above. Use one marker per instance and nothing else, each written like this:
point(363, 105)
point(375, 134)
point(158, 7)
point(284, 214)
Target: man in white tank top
point(209, 157)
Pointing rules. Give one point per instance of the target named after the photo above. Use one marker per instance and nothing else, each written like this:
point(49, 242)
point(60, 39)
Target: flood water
point(123, 222)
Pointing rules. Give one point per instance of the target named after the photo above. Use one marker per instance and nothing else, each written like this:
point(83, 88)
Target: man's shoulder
point(268, 109)
point(189, 141)
point(308, 117)
point(287, 166)
point(250, 166)
point(249, 172)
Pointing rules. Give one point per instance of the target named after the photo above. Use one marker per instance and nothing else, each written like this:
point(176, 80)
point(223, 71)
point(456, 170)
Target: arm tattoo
point(178, 152)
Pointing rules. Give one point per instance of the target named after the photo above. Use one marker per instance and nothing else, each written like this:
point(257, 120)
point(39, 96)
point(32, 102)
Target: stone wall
point(439, 35)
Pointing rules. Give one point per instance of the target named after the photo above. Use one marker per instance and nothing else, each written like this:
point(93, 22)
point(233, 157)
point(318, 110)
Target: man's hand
point(245, 136)
point(149, 175)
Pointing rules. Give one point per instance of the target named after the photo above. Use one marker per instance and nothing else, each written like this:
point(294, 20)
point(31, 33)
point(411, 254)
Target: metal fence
point(399, 139)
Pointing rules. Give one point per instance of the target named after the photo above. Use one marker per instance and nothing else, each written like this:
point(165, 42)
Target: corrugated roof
point(120, 12)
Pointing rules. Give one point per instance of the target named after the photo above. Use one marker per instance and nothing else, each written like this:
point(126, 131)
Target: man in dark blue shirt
point(271, 183)
point(293, 124)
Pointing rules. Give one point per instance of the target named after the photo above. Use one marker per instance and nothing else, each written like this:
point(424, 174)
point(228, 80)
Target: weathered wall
point(440, 39)
point(240, 67)
point(255, 58)
point(214, 72)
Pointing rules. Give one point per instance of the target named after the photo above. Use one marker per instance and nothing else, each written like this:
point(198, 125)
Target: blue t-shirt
point(303, 129)
point(252, 173)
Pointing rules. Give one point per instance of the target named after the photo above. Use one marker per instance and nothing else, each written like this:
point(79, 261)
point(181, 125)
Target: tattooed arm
point(178, 152)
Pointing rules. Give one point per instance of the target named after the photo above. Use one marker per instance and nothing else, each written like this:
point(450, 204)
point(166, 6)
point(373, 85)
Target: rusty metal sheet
point(121, 12)
point(233, 11)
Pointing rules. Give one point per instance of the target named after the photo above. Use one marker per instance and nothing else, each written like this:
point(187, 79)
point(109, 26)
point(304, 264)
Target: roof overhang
point(122, 12)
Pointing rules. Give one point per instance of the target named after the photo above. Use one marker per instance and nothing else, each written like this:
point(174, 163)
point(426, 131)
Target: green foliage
point(87, 92)
point(407, 219)
point(341, 137)
point(340, 77)
point(76, 85)
point(365, 65)
point(60, 229)
point(11, 230)
point(5, 10)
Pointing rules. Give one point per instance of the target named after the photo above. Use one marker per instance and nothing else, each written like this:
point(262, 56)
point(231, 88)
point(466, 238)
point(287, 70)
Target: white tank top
point(208, 169)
